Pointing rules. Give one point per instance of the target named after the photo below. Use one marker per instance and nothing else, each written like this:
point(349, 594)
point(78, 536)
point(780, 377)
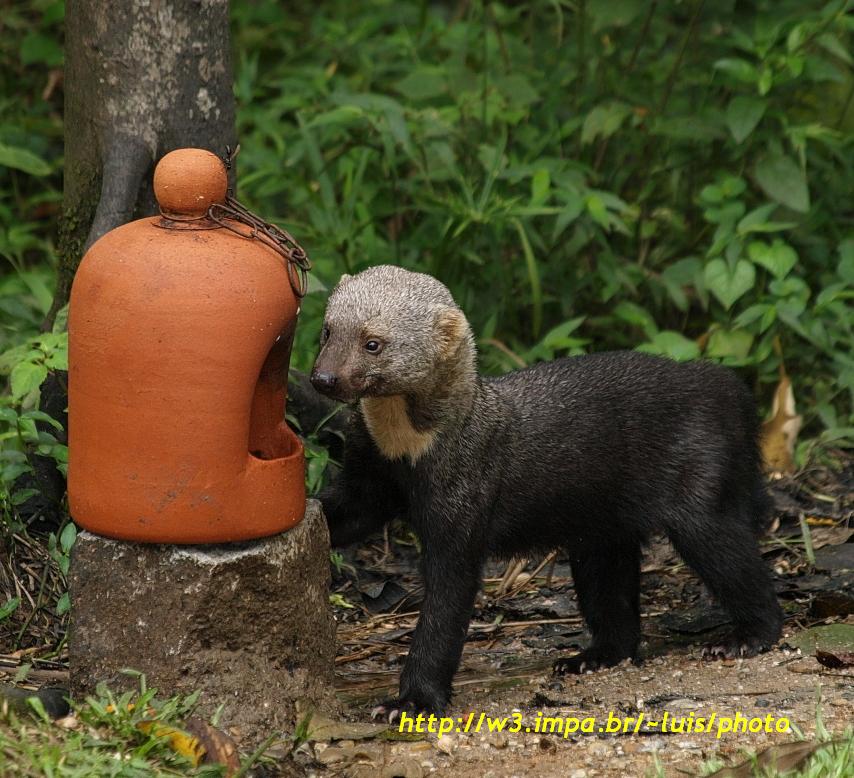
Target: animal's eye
point(373, 346)
point(324, 335)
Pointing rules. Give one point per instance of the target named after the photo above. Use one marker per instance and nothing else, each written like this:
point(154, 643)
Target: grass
point(134, 735)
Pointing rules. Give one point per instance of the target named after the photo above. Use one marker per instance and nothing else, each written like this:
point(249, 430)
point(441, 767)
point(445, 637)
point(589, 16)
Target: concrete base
point(248, 624)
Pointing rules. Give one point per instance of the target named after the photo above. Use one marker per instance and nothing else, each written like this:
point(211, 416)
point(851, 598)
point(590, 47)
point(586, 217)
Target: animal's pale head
point(386, 331)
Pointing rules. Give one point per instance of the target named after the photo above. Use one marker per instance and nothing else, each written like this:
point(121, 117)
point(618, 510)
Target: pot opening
point(269, 435)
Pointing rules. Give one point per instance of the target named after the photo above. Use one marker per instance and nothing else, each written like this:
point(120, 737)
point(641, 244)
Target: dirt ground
point(516, 635)
point(779, 683)
point(527, 616)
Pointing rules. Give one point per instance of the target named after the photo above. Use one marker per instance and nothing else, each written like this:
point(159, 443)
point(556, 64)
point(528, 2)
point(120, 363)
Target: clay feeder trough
point(180, 333)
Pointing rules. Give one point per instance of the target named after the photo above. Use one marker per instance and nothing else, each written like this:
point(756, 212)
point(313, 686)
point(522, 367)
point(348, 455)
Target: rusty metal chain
point(231, 213)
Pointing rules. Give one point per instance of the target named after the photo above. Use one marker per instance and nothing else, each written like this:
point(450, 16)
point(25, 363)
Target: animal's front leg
point(364, 496)
point(451, 580)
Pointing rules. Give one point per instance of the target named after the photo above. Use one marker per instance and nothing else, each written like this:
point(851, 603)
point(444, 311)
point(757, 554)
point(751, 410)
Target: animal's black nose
point(324, 382)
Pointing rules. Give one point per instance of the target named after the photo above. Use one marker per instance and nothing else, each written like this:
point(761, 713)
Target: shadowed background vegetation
point(673, 176)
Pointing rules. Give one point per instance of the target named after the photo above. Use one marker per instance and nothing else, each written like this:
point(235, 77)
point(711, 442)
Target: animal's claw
point(391, 710)
point(573, 665)
point(734, 648)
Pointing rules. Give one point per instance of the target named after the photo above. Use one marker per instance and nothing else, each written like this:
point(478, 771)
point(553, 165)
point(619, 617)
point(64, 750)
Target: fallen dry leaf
point(180, 742)
point(780, 432)
point(780, 758)
point(831, 605)
point(217, 746)
point(835, 660)
point(830, 536)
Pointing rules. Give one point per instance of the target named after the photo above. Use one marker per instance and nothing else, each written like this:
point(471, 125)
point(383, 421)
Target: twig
point(513, 571)
point(643, 33)
point(511, 592)
point(506, 350)
point(671, 79)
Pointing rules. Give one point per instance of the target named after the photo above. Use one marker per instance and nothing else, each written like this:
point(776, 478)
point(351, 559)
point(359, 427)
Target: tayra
point(591, 454)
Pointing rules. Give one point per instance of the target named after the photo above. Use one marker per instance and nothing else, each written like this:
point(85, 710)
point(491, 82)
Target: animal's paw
point(391, 710)
point(736, 647)
point(586, 662)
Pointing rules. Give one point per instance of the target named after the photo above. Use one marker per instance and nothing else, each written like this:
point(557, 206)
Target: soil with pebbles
point(515, 636)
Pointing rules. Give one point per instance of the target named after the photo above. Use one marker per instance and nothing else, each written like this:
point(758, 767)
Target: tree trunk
point(142, 77)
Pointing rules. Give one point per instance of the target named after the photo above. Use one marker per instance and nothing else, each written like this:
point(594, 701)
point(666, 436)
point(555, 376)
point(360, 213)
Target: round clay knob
point(188, 181)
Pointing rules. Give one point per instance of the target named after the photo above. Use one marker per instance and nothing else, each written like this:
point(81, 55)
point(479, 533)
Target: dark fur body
point(590, 454)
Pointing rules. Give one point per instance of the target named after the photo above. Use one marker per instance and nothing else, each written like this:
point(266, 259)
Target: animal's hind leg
point(725, 554)
point(607, 581)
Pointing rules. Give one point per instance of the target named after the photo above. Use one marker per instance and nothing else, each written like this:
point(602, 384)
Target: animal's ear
point(450, 327)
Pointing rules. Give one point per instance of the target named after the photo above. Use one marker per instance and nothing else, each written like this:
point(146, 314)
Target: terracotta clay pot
point(180, 334)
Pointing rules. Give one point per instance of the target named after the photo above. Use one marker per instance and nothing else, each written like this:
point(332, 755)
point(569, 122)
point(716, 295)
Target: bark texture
point(142, 77)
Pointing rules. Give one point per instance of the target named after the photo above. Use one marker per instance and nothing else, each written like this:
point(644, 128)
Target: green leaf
point(597, 210)
point(634, 314)
point(68, 536)
point(729, 284)
point(830, 43)
point(533, 276)
point(42, 416)
point(766, 81)
point(790, 287)
point(613, 13)
point(60, 323)
point(762, 311)
point(20, 496)
point(603, 121)
point(756, 216)
point(518, 90)
point(819, 69)
point(672, 344)
point(40, 290)
point(757, 221)
point(342, 116)
point(9, 607)
point(694, 128)
point(711, 194)
point(784, 181)
point(739, 69)
point(796, 37)
point(21, 159)
point(778, 258)
point(845, 268)
point(743, 114)
point(571, 209)
point(63, 604)
point(540, 185)
point(58, 360)
point(38, 49)
point(397, 127)
point(555, 336)
point(682, 273)
point(423, 83)
point(27, 376)
point(729, 343)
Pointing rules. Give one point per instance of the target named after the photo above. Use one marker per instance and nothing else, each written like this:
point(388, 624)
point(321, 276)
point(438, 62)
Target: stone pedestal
point(248, 624)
